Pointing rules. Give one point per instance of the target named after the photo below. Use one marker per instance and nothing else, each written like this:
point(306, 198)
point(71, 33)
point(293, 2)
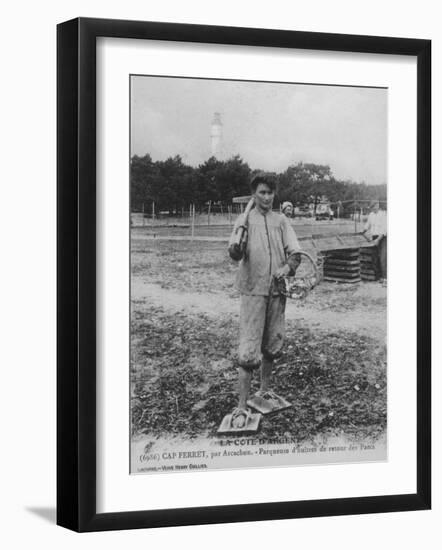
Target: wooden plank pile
point(369, 263)
point(342, 266)
point(346, 258)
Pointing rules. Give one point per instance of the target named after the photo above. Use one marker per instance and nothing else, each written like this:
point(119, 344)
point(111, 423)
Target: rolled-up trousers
point(262, 329)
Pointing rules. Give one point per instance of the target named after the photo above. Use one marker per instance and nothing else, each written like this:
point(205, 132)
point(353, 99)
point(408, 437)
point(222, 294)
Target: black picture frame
point(77, 287)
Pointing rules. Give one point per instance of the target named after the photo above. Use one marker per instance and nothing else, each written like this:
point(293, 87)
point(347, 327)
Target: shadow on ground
point(48, 514)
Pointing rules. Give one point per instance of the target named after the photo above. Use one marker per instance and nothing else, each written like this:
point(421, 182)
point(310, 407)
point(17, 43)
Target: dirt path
point(371, 323)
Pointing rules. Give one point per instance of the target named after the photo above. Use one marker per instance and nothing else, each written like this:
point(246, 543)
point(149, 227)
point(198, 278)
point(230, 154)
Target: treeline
point(173, 185)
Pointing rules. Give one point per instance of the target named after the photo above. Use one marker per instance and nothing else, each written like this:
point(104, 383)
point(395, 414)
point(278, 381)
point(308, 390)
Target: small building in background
point(241, 201)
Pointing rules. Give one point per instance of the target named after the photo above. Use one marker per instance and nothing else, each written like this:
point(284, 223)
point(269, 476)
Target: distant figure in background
point(376, 230)
point(287, 209)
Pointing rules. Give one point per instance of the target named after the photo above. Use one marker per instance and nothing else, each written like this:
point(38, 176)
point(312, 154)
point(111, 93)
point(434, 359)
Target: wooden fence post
point(193, 220)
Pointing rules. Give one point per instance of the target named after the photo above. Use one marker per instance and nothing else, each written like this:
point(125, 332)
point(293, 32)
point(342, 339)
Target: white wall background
point(27, 300)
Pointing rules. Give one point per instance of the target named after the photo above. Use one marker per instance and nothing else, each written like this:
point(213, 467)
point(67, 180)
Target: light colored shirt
point(271, 240)
point(376, 223)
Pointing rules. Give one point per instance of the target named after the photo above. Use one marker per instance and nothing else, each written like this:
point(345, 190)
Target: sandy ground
point(185, 314)
point(369, 320)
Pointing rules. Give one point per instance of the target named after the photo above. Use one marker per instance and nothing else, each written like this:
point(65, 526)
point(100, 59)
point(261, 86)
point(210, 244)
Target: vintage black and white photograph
point(258, 274)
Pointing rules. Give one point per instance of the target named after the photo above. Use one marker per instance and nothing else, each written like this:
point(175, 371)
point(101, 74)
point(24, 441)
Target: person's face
point(288, 211)
point(264, 197)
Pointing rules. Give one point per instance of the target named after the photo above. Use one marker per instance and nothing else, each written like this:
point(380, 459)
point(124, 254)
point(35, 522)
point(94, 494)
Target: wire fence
point(222, 217)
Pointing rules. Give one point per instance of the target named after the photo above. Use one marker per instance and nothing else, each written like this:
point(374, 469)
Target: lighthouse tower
point(216, 135)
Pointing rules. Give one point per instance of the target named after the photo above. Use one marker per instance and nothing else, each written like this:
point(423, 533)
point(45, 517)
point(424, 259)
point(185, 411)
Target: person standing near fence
point(376, 230)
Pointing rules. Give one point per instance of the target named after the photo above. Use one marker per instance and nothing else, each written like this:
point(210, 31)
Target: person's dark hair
point(262, 178)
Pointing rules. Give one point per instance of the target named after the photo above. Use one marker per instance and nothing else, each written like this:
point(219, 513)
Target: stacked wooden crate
point(342, 266)
point(369, 263)
point(346, 258)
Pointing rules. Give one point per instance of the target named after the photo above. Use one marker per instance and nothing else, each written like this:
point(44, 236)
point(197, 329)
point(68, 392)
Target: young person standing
point(271, 253)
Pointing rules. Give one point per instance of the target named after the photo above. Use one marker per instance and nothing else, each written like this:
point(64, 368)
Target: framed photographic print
point(243, 274)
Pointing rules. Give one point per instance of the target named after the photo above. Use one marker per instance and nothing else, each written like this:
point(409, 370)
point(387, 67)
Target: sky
point(270, 125)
